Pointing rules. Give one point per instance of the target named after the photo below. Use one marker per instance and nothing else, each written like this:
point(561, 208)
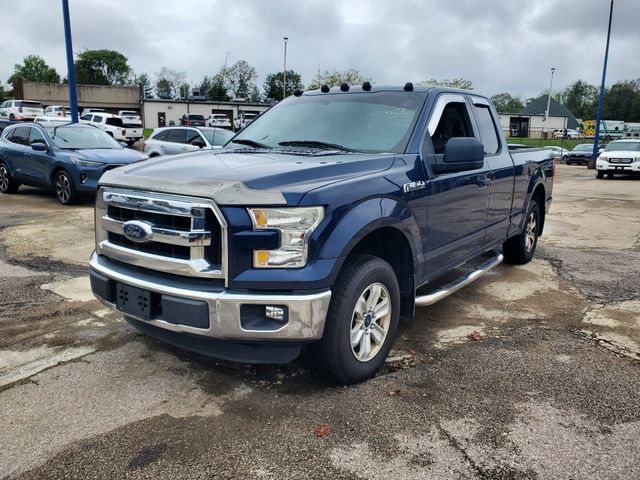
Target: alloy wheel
point(530, 238)
point(63, 187)
point(370, 322)
point(4, 179)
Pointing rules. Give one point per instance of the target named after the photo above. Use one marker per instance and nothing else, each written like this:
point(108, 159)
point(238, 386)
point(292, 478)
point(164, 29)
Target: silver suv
point(174, 140)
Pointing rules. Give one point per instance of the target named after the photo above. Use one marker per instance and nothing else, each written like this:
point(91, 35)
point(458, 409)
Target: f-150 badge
point(411, 186)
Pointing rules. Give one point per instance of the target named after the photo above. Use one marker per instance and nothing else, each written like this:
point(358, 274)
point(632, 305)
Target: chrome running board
point(449, 288)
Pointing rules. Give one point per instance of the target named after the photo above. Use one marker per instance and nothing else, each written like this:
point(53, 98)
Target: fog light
point(274, 313)
point(83, 177)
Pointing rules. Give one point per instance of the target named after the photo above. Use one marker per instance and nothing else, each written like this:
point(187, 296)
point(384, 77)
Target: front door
point(457, 202)
point(39, 163)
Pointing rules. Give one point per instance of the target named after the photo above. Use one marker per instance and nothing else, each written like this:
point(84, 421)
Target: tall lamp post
point(71, 74)
point(546, 115)
point(591, 164)
point(284, 71)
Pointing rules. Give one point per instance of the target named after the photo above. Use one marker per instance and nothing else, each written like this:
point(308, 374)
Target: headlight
point(85, 163)
point(295, 225)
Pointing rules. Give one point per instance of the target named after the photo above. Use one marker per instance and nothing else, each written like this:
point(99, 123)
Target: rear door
point(501, 170)
point(15, 152)
point(457, 202)
point(39, 163)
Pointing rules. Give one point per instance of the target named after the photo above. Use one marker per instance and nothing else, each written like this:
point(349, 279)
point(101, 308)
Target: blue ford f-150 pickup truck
point(317, 224)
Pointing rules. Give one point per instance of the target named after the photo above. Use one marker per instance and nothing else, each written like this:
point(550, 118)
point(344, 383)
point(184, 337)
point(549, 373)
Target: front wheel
point(520, 249)
point(362, 321)
point(600, 174)
point(65, 189)
point(7, 183)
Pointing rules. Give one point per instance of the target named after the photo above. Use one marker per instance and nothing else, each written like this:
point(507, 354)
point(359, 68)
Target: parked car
point(129, 117)
point(114, 126)
point(219, 120)
point(193, 120)
point(580, 154)
point(174, 140)
point(5, 122)
point(568, 133)
point(619, 156)
point(68, 159)
point(58, 111)
point(93, 110)
point(317, 224)
point(558, 152)
point(21, 109)
point(245, 119)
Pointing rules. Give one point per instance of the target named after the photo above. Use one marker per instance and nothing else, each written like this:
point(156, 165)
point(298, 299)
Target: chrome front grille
point(184, 235)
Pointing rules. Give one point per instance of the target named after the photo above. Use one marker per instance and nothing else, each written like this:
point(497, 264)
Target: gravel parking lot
point(531, 372)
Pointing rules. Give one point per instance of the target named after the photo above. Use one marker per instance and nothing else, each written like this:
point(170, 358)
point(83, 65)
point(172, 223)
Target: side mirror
point(600, 150)
point(39, 147)
point(461, 154)
point(198, 143)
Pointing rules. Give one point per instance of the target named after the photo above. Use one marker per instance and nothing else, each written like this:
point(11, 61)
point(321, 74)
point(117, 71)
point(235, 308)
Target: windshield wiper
point(250, 143)
point(315, 144)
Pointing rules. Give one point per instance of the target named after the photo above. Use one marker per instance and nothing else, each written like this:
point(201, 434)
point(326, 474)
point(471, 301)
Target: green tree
point(168, 83)
point(240, 79)
point(183, 91)
point(102, 67)
point(273, 84)
point(580, 98)
point(218, 90)
point(336, 78)
point(460, 83)
point(622, 101)
point(145, 85)
point(507, 103)
point(164, 89)
point(34, 68)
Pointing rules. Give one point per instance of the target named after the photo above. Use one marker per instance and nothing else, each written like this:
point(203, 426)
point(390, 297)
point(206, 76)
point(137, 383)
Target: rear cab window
point(486, 127)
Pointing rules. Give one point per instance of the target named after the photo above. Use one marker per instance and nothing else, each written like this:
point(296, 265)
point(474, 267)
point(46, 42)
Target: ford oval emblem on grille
point(137, 231)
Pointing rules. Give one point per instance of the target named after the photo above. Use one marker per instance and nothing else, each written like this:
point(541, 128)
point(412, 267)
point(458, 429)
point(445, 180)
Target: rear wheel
point(520, 249)
point(7, 183)
point(362, 321)
point(65, 189)
point(130, 143)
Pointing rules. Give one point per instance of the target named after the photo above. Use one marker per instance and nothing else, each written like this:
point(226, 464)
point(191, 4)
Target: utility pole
point(546, 115)
point(284, 76)
point(71, 74)
point(591, 164)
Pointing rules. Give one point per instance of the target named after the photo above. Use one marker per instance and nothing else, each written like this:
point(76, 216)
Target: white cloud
point(499, 45)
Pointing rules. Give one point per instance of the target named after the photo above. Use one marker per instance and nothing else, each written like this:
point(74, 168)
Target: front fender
point(366, 217)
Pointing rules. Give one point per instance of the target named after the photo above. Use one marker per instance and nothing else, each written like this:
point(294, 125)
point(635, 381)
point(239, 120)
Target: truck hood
point(231, 178)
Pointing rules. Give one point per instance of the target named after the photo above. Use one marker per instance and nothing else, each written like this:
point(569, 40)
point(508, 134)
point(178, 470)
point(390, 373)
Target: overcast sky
point(500, 45)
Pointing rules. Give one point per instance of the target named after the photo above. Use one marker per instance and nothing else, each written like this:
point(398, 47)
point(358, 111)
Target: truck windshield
point(363, 122)
point(76, 137)
point(623, 147)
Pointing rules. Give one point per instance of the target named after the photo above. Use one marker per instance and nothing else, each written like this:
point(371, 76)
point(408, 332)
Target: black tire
point(520, 249)
point(64, 188)
point(334, 355)
point(7, 183)
point(600, 174)
point(130, 143)
point(610, 175)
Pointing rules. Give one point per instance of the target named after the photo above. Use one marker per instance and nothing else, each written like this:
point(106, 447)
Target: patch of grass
point(538, 142)
point(147, 132)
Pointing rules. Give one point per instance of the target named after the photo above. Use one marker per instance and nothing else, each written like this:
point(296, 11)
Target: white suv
point(218, 120)
point(21, 109)
point(174, 140)
point(620, 156)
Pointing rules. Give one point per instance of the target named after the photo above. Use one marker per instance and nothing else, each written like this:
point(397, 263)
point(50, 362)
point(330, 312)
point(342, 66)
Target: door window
point(487, 129)
point(193, 137)
point(36, 137)
point(97, 118)
point(177, 135)
point(162, 136)
point(20, 136)
point(87, 117)
point(454, 122)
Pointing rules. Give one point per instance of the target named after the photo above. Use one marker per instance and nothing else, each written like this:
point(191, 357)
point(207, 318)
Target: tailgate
point(133, 132)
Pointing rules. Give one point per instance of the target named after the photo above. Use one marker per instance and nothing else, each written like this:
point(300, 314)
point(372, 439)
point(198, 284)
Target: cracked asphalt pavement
point(532, 372)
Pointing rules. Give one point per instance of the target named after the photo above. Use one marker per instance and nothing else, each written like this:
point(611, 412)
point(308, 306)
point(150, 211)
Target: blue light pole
point(591, 164)
point(71, 74)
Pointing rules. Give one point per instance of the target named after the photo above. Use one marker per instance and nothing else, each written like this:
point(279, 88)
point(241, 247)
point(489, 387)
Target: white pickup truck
point(130, 117)
point(114, 126)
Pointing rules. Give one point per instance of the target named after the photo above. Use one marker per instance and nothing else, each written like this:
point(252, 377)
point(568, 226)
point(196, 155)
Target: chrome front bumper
point(306, 313)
